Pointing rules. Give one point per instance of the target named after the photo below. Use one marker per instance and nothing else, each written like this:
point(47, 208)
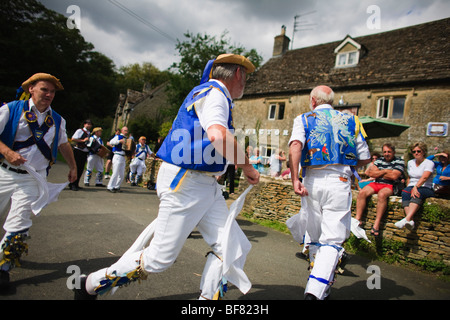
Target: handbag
point(398, 187)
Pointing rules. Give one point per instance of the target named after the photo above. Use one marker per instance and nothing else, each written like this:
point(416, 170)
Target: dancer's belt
point(20, 171)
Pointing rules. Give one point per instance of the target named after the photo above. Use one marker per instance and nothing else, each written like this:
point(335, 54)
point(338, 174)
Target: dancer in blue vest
point(31, 133)
point(118, 161)
point(329, 144)
point(94, 161)
point(137, 164)
point(194, 153)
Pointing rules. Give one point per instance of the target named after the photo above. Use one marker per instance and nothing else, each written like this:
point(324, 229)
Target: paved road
point(91, 228)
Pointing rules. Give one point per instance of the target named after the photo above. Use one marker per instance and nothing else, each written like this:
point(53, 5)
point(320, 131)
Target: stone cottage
point(135, 104)
point(402, 76)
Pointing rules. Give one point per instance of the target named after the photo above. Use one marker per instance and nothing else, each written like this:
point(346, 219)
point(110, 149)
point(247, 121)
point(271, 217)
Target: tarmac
point(89, 229)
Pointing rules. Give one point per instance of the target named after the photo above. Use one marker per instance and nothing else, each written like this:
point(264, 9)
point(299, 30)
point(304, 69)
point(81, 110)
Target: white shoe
point(404, 223)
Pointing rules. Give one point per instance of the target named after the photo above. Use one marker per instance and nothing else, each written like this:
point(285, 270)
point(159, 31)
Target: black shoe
point(310, 296)
point(81, 293)
point(74, 187)
point(112, 190)
point(302, 256)
point(4, 280)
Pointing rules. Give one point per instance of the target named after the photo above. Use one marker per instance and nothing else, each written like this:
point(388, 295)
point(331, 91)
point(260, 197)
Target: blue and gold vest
point(118, 147)
point(19, 109)
point(187, 144)
point(330, 138)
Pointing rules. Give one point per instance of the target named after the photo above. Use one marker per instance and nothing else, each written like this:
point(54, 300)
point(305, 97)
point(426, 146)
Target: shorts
point(424, 193)
point(376, 186)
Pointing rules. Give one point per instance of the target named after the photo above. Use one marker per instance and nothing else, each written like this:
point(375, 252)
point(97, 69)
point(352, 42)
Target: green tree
point(134, 76)
point(195, 52)
point(35, 39)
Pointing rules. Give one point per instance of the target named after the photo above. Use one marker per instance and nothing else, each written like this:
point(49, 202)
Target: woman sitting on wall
point(441, 181)
point(420, 184)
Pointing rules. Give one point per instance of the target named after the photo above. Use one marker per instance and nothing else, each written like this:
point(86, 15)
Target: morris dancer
point(326, 192)
point(118, 161)
point(137, 165)
point(189, 193)
point(31, 133)
point(94, 161)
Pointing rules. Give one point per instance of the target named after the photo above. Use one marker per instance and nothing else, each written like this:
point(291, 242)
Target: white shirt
point(144, 148)
point(77, 135)
point(115, 141)
point(298, 134)
point(214, 108)
point(415, 172)
point(34, 157)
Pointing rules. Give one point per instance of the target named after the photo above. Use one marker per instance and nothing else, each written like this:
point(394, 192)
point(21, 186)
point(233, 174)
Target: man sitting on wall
point(386, 170)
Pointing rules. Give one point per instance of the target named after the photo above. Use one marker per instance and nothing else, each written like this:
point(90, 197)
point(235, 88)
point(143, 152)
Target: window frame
point(389, 113)
point(276, 109)
point(347, 58)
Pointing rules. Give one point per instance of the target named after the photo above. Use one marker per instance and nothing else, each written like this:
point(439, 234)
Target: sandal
point(375, 232)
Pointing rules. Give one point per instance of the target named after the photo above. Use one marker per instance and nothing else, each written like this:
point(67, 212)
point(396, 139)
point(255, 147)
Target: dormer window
point(347, 53)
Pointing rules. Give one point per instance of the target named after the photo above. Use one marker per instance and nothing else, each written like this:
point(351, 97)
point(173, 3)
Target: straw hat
point(97, 129)
point(42, 77)
point(235, 59)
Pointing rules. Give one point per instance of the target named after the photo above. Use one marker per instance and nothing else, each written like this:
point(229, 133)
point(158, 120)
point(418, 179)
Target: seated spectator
point(364, 182)
point(257, 161)
point(420, 184)
point(386, 170)
point(441, 182)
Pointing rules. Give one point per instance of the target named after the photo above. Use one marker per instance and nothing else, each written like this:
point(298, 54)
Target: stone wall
point(275, 199)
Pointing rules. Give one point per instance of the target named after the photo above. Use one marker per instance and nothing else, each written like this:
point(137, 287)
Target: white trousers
point(118, 169)
point(94, 162)
point(137, 168)
point(328, 206)
point(198, 202)
point(21, 190)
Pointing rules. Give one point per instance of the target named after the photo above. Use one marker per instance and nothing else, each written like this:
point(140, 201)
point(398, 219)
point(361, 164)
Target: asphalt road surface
point(89, 229)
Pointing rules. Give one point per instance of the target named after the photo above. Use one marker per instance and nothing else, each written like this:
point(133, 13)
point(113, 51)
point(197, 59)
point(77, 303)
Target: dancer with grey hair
point(329, 145)
point(195, 151)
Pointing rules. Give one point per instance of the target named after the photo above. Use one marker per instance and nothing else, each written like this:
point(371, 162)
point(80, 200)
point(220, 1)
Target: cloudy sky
point(136, 31)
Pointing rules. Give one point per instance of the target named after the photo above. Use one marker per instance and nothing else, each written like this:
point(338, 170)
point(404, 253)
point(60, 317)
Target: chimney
point(281, 43)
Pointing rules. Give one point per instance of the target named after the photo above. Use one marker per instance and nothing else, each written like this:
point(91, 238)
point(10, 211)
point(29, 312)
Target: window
point(348, 53)
point(276, 111)
point(391, 107)
point(347, 59)
point(398, 108)
point(272, 111)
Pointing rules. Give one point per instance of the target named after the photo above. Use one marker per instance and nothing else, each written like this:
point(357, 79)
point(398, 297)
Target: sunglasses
point(416, 151)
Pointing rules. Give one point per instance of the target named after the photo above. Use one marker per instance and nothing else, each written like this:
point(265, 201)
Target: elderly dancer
point(328, 144)
point(137, 165)
point(195, 151)
point(118, 161)
point(31, 133)
point(94, 161)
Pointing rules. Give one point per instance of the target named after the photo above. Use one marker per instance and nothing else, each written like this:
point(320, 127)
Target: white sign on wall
point(437, 129)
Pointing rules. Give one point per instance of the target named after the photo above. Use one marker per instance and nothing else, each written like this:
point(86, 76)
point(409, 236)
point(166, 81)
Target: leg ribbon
point(12, 249)
point(223, 285)
point(114, 280)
